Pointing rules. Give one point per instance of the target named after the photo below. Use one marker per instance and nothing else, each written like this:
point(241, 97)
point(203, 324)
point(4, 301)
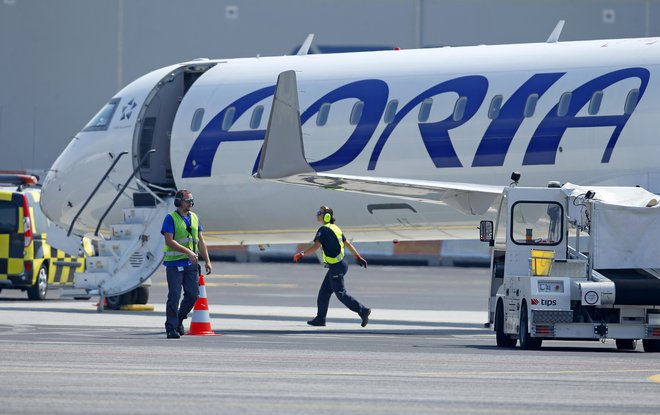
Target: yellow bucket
point(542, 262)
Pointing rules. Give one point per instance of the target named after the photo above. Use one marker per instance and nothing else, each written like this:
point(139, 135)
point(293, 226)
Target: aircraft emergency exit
point(581, 111)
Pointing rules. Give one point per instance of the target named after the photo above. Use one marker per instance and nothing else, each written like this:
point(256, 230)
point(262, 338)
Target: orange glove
point(298, 256)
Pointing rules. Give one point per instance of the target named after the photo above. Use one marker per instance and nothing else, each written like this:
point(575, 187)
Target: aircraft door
point(154, 127)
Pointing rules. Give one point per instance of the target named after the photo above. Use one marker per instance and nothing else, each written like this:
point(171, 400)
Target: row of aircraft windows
point(425, 110)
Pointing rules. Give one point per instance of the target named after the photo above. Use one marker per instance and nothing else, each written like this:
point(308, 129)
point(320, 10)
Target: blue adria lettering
point(543, 146)
point(493, 146)
point(496, 141)
point(373, 93)
point(200, 159)
point(436, 135)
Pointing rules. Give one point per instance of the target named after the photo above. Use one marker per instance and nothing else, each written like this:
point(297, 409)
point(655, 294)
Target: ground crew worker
point(183, 243)
point(331, 240)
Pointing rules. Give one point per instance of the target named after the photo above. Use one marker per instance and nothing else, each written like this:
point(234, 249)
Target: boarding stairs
point(132, 251)
point(127, 257)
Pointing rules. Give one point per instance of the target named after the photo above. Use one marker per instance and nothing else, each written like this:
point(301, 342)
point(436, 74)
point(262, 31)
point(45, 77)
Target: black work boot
point(316, 322)
point(173, 334)
point(365, 317)
point(180, 329)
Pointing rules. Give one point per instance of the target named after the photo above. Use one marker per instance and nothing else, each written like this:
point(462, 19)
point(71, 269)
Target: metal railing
point(151, 192)
point(91, 195)
point(121, 191)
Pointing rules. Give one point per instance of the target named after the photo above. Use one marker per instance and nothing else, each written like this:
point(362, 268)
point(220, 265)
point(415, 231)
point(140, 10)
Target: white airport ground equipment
point(575, 263)
point(131, 251)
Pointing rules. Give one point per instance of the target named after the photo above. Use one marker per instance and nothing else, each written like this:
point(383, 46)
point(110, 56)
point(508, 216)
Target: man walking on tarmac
point(183, 243)
point(331, 240)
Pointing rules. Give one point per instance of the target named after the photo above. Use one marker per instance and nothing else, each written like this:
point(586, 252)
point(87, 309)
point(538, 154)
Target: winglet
point(554, 36)
point(283, 153)
point(304, 49)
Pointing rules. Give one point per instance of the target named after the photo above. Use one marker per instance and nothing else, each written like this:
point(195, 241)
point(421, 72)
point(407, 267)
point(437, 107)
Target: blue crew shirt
point(168, 226)
point(328, 240)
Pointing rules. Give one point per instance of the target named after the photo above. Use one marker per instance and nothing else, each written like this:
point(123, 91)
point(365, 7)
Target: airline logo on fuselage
point(491, 151)
point(127, 110)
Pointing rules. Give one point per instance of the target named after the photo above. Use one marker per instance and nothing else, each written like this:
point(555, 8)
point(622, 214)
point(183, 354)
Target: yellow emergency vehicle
point(27, 262)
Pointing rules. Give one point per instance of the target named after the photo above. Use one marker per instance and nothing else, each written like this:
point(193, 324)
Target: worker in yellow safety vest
point(332, 241)
point(183, 244)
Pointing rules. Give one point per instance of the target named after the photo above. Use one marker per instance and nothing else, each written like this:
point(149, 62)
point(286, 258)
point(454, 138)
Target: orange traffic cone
point(200, 325)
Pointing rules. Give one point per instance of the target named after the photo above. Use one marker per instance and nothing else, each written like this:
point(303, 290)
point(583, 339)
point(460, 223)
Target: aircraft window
point(323, 114)
point(228, 120)
point(495, 106)
point(196, 122)
point(256, 117)
point(425, 110)
point(564, 104)
point(356, 113)
point(631, 101)
point(594, 104)
point(102, 119)
point(459, 108)
point(390, 111)
point(530, 105)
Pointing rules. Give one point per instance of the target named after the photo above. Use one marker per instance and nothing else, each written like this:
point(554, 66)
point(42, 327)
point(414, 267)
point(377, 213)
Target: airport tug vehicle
point(573, 263)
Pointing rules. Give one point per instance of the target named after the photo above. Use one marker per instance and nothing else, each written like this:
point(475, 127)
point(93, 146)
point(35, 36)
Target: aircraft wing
point(283, 160)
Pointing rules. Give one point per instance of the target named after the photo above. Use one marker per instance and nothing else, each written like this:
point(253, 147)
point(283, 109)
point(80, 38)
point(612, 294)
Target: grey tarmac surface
point(424, 351)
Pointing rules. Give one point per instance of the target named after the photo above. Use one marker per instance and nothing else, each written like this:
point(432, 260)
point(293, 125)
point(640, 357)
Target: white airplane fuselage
point(585, 112)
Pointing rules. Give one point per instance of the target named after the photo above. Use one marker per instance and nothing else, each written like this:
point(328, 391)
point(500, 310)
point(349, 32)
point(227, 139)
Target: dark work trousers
point(334, 282)
point(188, 278)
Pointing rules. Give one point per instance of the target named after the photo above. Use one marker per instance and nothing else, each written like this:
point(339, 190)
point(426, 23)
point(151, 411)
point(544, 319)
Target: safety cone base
point(201, 321)
point(201, 331)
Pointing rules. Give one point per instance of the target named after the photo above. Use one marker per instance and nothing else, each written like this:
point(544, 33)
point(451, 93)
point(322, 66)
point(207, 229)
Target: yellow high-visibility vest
point(333, 260)
point(182, 236)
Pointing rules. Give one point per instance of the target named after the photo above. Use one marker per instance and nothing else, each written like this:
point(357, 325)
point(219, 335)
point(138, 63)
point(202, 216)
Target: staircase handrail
point(121, 191)
point(91, 195)
point(151, 192)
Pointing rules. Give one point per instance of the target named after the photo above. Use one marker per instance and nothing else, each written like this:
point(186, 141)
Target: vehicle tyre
point(527, 342)
point(626, 344)
point(141, 295)
point(81, 298)
point(502, 339)
point(116, 301)
point(113, 302)
point(40, 288)
point(651, 345)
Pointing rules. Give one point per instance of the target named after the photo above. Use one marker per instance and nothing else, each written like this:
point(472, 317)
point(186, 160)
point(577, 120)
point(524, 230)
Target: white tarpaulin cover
point(624, 231)
point(622, 196)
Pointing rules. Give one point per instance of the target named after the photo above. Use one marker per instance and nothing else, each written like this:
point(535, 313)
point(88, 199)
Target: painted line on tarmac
point(251, 284)
point(240, 284)
point(156, 372)
point(655, 378)
point(544, 372)
point(230, 276)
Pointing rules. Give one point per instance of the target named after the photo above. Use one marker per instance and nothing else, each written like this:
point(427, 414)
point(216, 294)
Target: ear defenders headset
point(178, 198)
point(327, 213)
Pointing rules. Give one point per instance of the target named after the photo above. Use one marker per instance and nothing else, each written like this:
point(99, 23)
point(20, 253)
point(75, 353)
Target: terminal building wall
point(62, 60)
